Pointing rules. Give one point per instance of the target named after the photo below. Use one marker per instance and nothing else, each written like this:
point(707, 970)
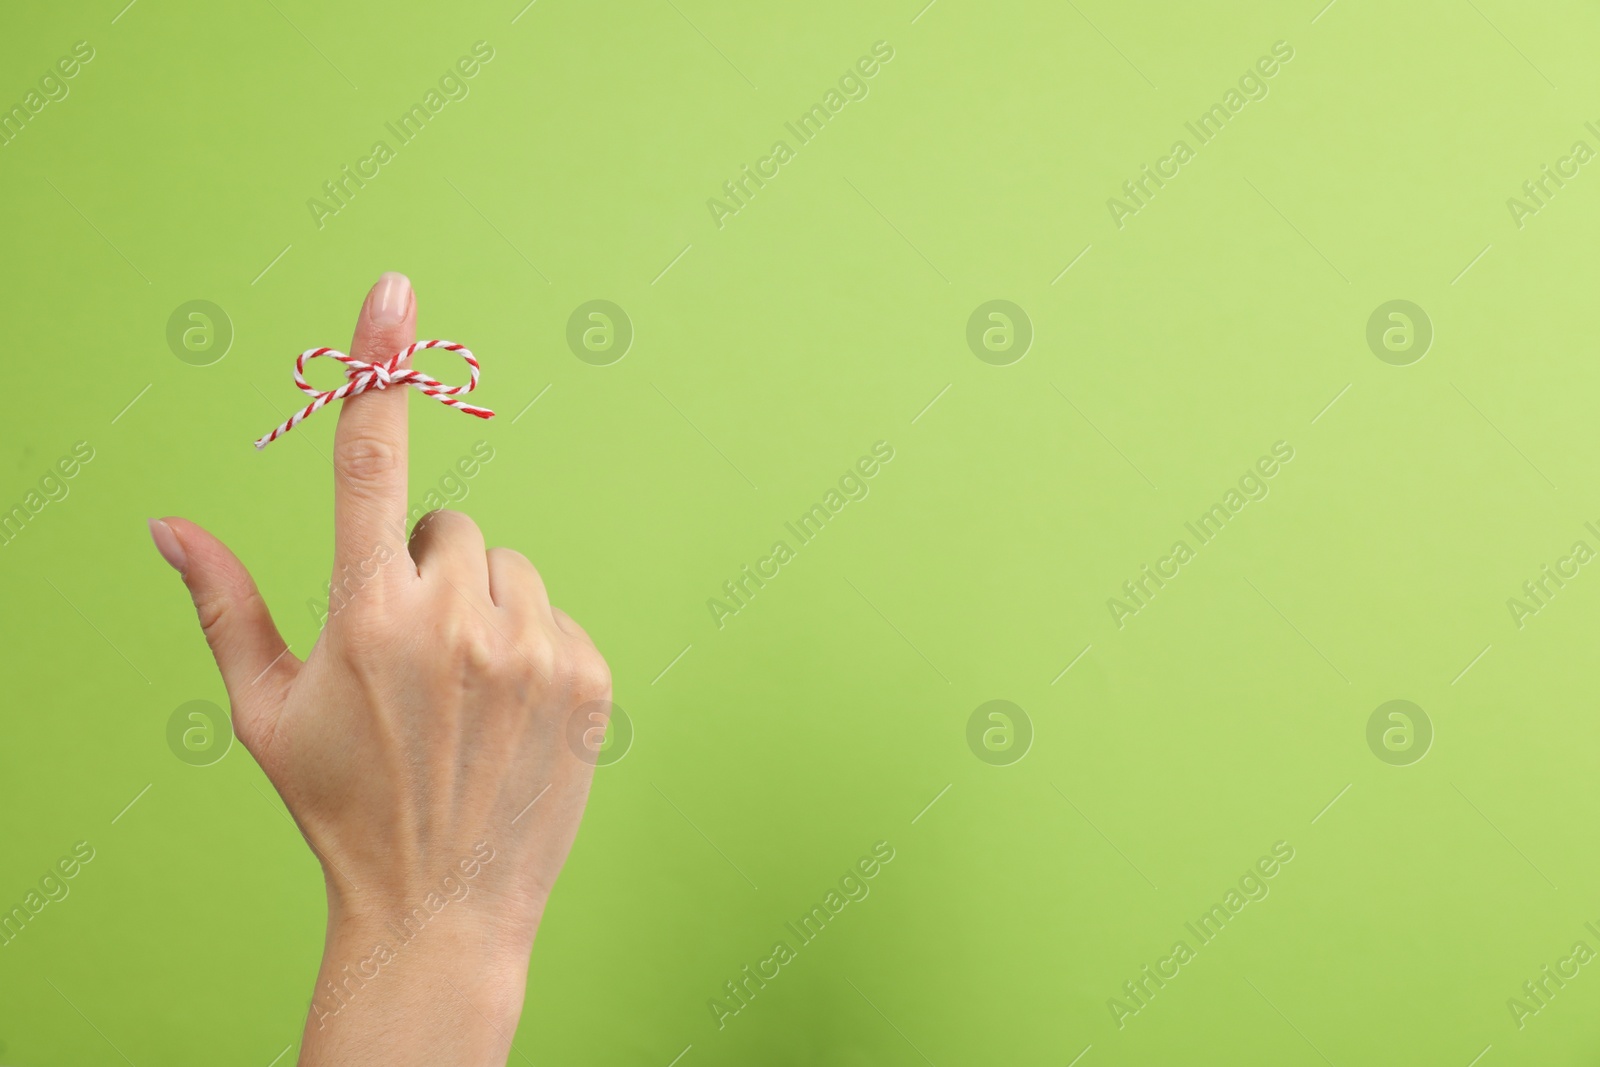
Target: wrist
point(447, 941)
point(473, 899)
point(384, 968)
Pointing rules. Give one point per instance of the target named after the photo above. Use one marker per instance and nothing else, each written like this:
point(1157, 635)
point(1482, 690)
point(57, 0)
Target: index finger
point(369, 448)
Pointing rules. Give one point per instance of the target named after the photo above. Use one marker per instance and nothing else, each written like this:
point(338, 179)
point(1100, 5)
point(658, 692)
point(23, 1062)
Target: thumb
point(255, 664)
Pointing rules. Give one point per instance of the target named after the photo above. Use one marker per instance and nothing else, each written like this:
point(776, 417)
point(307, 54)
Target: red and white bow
point(362, 376)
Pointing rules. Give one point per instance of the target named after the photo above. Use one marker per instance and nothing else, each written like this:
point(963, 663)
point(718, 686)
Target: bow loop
point(361, 376)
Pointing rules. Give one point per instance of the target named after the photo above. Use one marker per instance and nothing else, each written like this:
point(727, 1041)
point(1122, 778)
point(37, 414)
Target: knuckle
point(590, 674)
point(575, 628)
point(511, 555)
point(538, 652)
point(477, 652)
point(443, 519)
point(215, 609)
point(446, 628)
point(466, 640)
point(367, 460)
point(569, 626)
point(212, 611)
point(425, 525)
point(523, 578)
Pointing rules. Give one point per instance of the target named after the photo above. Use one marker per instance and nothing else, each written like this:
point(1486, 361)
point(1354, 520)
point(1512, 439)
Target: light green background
point(772, 353)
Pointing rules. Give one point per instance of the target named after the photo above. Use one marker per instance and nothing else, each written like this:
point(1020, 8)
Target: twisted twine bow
point(362, 376)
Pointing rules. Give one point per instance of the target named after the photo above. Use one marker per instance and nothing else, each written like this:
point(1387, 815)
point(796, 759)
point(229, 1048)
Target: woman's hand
point(422, 747)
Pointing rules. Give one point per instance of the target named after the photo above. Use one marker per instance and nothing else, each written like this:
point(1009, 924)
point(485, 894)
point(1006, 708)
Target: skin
point(436, 706)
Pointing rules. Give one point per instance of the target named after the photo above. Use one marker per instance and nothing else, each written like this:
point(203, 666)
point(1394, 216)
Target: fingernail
point(167, 544)
point(390, 298)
